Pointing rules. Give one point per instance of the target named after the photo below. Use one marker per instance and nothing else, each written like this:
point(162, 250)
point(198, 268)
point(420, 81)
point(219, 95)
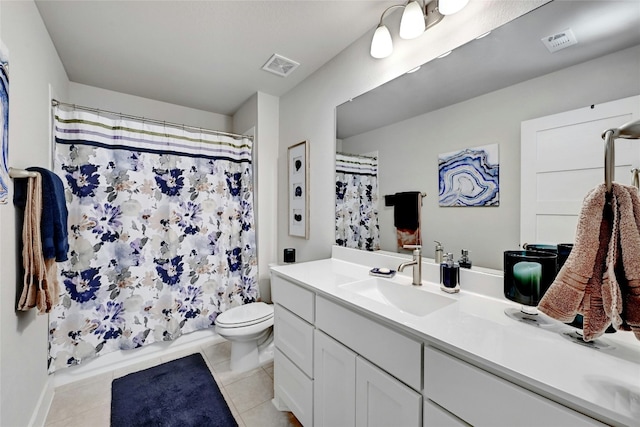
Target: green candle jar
point(528, 275)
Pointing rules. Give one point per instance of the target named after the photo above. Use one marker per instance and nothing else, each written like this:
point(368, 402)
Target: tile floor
point(88, 402)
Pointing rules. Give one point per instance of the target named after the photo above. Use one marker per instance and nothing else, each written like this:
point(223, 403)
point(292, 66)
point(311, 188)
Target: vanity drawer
point(293, 387)
point(295, 298)
point(392, 351)
point(294, 337)
point(480, 398)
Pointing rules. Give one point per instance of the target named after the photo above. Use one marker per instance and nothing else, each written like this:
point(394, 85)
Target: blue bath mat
point(178, 393)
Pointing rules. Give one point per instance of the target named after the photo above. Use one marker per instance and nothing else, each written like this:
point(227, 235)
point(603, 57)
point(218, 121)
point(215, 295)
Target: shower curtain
point(357, 202)
point(161, 233)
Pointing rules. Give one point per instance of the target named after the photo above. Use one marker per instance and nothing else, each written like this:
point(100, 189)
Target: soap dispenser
point(449, 275)
point(439, 252)
point(464, 260)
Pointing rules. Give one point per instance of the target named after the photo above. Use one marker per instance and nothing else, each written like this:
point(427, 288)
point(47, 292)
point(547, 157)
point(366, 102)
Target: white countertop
point(603, 383)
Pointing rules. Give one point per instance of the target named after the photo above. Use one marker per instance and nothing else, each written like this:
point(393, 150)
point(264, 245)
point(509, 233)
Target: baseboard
point(39, 416)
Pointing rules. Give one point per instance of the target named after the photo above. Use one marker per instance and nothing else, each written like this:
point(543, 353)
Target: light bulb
point(381, 44)
point(412, 24)
point(449, 7)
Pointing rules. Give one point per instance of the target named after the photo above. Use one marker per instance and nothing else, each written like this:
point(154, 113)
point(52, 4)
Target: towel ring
point(629, 130)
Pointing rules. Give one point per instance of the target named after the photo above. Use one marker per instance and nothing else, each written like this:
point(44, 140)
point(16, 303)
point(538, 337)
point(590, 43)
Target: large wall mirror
point(478, 96)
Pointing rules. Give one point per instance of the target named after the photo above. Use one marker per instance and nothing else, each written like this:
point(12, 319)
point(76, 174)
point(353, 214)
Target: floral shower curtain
point(161, 233)
point(357, 202)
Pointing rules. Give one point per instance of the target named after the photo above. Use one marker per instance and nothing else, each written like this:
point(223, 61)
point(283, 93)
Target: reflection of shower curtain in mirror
point(161, 233)
point(357, 202)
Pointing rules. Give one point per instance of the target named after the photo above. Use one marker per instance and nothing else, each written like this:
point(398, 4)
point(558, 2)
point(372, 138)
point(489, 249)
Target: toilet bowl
point(249, 328)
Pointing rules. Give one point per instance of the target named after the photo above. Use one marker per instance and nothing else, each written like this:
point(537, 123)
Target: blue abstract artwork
point(469, 177)
point(4, 124)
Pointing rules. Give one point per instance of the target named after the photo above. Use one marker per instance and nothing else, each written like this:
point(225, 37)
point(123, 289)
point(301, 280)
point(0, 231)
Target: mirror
point(478, 96)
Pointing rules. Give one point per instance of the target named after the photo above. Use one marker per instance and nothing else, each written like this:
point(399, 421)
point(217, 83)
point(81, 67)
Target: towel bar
point(629, 130)
point(21, 173)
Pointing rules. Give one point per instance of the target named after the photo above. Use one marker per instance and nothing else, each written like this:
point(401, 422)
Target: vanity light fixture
point(449, 7)
point(416, 18)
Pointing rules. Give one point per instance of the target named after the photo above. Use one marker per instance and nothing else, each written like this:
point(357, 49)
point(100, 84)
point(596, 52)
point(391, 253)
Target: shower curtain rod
point(360, 156)
point(55, 103)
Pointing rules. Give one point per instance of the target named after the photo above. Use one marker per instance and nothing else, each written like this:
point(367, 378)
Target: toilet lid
point(245, 315)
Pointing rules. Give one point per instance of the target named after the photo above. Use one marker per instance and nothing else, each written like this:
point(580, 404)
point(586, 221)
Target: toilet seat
point(246, 315)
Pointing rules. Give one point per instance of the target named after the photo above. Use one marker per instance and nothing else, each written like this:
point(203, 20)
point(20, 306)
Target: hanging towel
point(55, 243)
point(596, 318)
point(584, 266)
point(44, 238)
point(406, 217)
point(601, 279)
point(32, 260)
point(53, 226)
point(628, 265)
point(406, 211)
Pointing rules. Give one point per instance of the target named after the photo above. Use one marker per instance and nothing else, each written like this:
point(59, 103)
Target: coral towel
point(601, 277)
point(626, 266)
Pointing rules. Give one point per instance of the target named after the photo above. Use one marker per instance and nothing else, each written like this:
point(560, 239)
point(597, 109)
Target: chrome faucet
point(416, 263)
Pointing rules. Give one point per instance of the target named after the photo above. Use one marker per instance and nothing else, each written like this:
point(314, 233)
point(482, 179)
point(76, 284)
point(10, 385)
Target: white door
point(383, 401)
point(334, 386)
point(562, 158)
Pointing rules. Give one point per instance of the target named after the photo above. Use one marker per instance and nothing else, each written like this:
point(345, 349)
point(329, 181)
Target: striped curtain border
point(356, 165)
point(89, 128)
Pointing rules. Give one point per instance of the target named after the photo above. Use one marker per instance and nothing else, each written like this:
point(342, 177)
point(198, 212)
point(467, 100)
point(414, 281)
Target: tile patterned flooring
point(88, 402)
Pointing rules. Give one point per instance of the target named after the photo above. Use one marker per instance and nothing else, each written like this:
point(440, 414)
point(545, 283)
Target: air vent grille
point(280, 65)
point(559, 41)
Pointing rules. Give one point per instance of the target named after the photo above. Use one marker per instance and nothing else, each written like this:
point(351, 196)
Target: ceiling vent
point(560, 40)
point(280, 65)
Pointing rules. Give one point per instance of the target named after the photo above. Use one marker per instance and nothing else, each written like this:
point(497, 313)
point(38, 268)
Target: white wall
point(308, 111)
point(261, 112)
point(90, 96)
point(488, 119)
point(34, 64)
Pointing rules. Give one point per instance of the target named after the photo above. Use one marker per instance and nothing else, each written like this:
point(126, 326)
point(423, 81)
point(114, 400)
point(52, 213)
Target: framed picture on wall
point(298, 166)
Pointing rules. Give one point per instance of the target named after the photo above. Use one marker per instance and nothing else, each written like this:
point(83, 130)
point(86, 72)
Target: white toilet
point(249, 327)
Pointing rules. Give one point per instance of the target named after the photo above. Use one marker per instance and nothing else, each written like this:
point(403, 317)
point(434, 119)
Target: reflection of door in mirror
point(357, 202)
point(562, 159)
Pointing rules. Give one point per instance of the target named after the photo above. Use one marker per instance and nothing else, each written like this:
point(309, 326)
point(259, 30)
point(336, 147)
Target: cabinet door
point(334, 394)
point(383, 401)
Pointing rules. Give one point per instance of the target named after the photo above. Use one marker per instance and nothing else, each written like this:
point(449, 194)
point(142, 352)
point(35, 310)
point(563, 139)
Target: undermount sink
point(407, 298)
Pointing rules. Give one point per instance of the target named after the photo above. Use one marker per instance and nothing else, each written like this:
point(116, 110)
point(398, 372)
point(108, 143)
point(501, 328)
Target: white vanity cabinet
point(345, 356)
point(293, 356)
point(480, 398)
point(334, 397)
point(349, 389)
point(335, 367)
point(383, 401)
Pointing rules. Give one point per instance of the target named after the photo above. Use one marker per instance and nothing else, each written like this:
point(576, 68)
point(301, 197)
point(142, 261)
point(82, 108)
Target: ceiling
point(206, 55)
point(511, 54)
